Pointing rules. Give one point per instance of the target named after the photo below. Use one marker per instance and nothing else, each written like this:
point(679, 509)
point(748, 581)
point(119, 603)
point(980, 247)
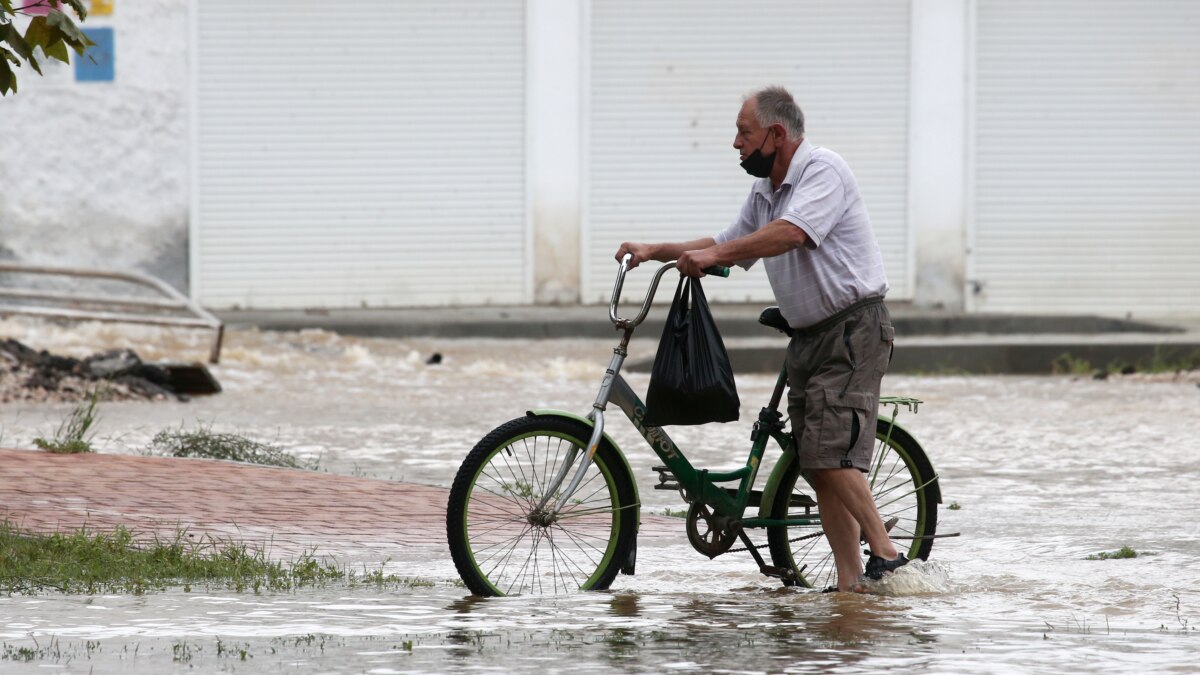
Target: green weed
point(99, 562)
point(1124, 552)
point(205, 443)
point(1164, 359)
point(1066, 364)
point(72, 435)
point(1169, 360)
point(954, 506)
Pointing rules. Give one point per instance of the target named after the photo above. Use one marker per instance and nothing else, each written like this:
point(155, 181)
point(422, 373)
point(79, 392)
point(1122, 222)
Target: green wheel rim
point(904, 487)
point(511, 555)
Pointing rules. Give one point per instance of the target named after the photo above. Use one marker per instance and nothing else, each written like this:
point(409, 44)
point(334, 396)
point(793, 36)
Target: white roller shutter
point(1087, 184)
point(666, 81)
point(362, 154)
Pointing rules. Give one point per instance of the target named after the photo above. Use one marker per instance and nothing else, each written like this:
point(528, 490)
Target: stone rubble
point(119, 374)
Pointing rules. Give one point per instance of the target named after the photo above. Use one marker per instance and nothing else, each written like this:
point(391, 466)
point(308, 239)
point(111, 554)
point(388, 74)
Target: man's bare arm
point(776, 237)
point(662, 252)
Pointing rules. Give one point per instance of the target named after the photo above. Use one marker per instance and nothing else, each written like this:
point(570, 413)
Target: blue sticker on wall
point(97, 64)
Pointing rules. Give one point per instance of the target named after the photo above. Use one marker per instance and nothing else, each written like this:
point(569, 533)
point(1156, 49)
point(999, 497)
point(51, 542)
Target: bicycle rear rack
point(82, 307)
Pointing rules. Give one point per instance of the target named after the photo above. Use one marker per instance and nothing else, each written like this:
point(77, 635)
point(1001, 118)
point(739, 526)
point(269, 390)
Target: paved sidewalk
point(286, 512)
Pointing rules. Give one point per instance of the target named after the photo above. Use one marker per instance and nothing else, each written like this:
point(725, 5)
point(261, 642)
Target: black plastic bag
point(691, 382)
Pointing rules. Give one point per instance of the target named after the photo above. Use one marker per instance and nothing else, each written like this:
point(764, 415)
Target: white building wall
point(1086, 188)
point(340, 164)
point(95, 173)
point(937, 161)
point(554, 36)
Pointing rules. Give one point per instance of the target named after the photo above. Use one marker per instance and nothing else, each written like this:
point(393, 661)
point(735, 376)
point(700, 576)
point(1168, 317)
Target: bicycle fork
point(597, 417)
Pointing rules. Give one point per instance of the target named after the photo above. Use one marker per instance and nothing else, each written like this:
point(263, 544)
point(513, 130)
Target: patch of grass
point(1124, 552)
point(954, 506)
point(1066, 364)
point(1170, 359)
point(1165, 359)
point(675, 513)
point(104, 562)
point(72, 435)
point(205, 443)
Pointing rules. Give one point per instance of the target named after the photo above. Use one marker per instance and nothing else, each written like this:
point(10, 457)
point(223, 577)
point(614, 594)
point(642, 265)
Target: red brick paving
point(284, 511)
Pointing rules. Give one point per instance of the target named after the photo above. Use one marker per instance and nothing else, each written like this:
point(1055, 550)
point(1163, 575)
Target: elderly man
point(806, 219)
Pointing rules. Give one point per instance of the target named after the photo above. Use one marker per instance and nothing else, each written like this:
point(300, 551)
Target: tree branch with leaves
point(51, 33)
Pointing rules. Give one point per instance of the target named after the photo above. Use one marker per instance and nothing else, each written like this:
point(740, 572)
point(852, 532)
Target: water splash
point(919, 577)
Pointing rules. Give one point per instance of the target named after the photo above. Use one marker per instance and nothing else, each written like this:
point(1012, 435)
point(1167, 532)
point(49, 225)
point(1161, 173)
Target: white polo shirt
point(841, 263)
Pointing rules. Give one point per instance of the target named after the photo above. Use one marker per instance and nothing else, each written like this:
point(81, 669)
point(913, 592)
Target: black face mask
point(758, 164)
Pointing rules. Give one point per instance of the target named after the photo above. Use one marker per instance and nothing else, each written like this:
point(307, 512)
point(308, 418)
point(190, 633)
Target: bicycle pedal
point(667, 486)
point(776, 572)
point(887, 527)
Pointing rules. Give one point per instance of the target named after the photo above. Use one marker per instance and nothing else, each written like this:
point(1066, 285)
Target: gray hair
point(776, 106)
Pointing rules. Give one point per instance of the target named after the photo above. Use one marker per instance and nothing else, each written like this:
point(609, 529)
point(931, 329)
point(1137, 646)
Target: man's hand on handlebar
point(640, 252)
point(694, 263)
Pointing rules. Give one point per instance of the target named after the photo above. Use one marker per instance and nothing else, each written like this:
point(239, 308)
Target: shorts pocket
point(887, 336)
point(844, 423)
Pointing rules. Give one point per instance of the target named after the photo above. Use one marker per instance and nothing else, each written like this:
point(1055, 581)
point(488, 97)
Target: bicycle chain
point(790, 541)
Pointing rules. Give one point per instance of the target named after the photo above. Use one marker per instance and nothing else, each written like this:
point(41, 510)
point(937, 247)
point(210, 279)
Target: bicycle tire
point(497, 547)
point(905, 488)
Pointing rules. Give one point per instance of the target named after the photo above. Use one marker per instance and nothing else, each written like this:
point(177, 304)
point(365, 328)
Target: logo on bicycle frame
point(654, 435)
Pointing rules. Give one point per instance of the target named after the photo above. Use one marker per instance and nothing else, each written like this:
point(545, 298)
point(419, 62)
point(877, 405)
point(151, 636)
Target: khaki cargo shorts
point(834, 370)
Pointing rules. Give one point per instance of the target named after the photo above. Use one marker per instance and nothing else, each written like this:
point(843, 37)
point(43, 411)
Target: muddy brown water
point(1045, 472)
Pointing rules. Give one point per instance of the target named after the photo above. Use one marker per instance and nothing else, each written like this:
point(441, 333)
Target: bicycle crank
point(709, 533)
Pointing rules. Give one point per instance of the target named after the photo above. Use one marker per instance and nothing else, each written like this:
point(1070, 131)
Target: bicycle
point(513, 527)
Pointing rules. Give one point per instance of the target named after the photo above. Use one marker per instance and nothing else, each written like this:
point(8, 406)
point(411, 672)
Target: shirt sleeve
point(742, 226)
point(817, 203)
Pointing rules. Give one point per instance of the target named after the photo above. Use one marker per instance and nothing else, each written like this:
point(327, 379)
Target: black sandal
point(877, 567)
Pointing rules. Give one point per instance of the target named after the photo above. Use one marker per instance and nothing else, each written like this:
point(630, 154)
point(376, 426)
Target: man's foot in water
point(877, 567)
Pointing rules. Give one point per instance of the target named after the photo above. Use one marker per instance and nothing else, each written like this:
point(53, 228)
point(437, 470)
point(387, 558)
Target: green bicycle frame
point(701, 484)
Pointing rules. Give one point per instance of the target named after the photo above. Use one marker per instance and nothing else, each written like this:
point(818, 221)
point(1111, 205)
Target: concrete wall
point(937, 160)
point(95, 173)
point(554, 47)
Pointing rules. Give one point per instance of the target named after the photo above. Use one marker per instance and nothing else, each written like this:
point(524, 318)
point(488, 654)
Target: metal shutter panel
point(1087, 187)
point(666, 81)
point(366, 157)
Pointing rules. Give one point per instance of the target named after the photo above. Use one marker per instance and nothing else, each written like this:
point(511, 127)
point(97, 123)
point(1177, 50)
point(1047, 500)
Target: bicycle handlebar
point(715, 270)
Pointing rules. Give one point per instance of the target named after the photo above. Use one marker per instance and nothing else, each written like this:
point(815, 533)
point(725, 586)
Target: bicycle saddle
point(772, 317)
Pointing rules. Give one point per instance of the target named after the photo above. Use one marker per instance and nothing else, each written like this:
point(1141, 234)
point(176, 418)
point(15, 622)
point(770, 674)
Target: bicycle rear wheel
point(906, 493)
point(502, 545)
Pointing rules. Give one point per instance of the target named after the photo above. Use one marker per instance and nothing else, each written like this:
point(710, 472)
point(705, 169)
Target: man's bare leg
point(841, 529)
point(854, 495)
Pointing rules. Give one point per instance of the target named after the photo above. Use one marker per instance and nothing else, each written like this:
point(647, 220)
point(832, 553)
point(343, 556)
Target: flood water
point(1037, 474)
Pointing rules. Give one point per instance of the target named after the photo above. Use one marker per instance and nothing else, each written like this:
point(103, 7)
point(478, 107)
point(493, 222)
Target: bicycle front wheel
point(906, 494)
point(502, 544)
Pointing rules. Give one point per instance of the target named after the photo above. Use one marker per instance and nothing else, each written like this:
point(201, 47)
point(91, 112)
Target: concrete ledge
point(1028, 355)
point(591, 321)
point(928, 342)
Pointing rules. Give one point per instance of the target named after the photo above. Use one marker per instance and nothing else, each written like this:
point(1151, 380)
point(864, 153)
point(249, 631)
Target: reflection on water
point(1044, 471)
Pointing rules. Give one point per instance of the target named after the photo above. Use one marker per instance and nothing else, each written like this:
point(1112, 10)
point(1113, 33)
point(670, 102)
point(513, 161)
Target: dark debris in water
point(30, 375)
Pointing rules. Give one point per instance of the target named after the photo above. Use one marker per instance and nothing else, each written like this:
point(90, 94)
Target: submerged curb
point(283, 512)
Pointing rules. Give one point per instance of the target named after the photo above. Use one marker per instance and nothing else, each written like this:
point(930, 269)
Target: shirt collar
point(795, 170)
